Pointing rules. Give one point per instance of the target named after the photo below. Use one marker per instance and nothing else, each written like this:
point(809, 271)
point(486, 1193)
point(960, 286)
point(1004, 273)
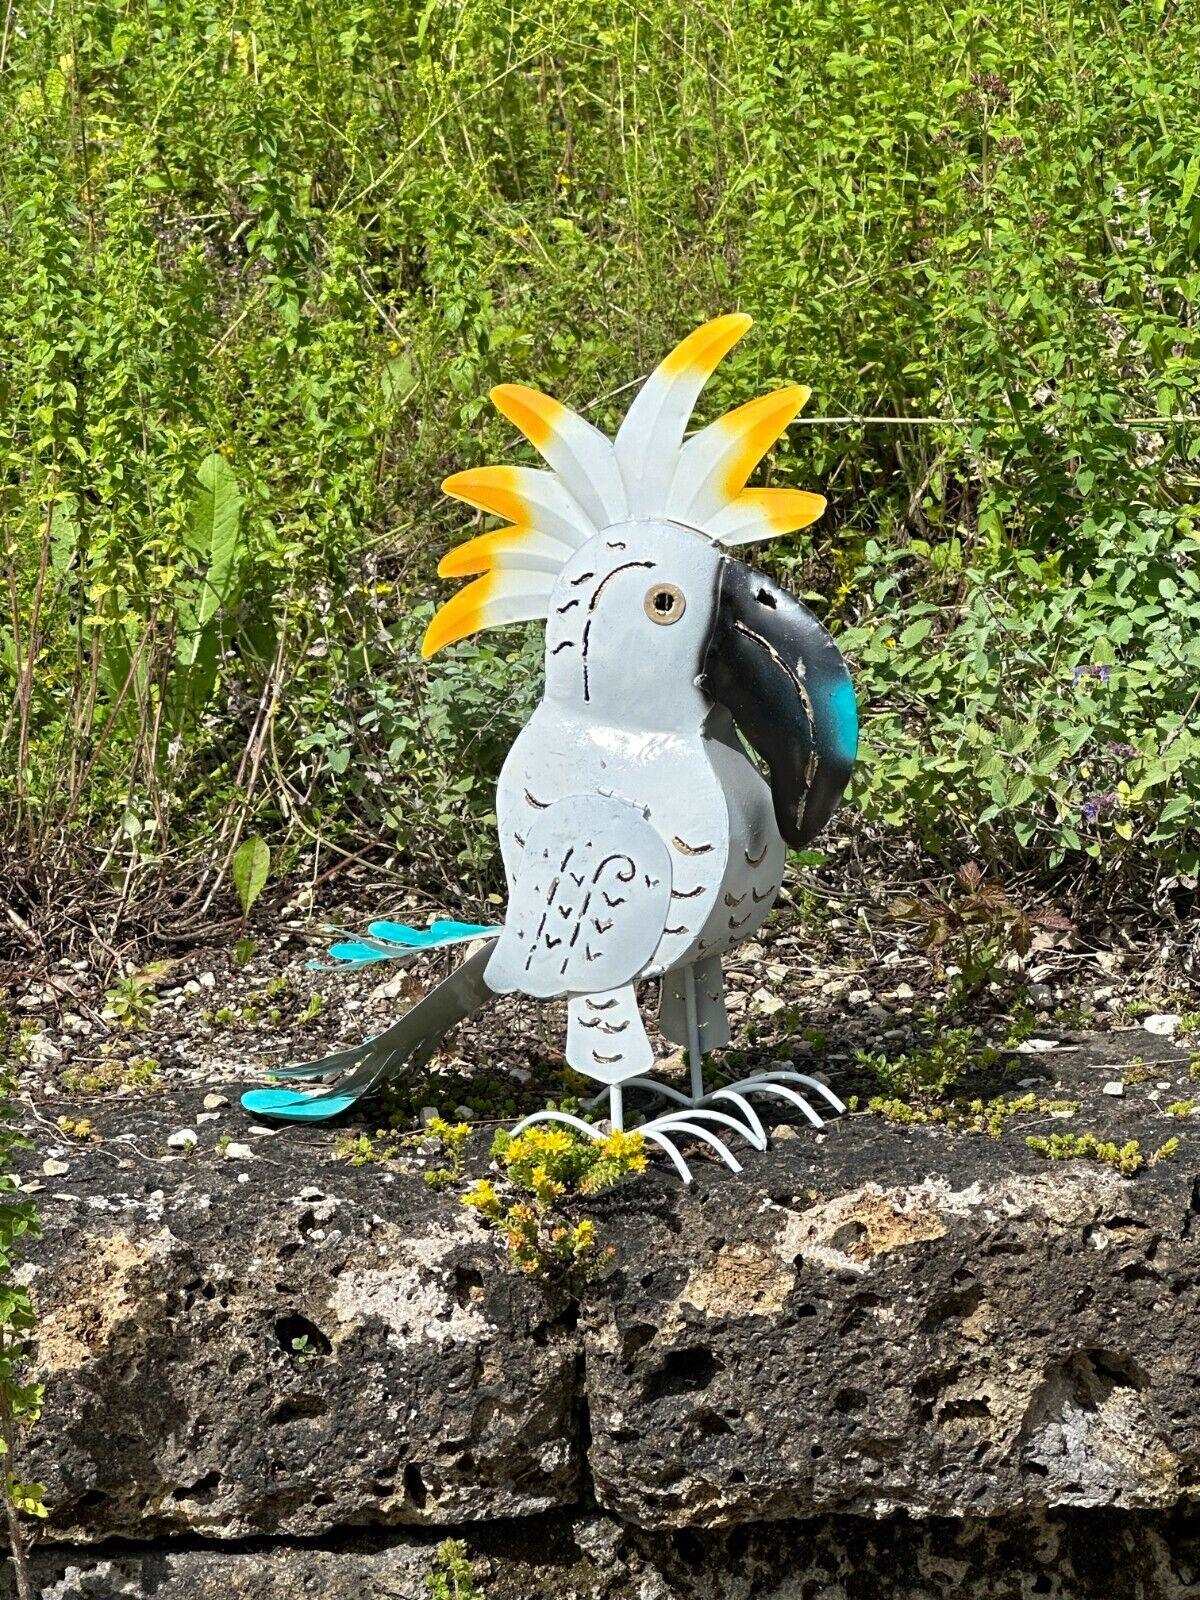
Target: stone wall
point(883, 1360)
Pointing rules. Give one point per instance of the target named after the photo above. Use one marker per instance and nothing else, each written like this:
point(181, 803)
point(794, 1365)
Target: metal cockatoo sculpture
point(640, 840)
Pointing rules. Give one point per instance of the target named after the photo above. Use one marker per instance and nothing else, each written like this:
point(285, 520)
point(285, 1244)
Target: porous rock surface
point(882, 1351)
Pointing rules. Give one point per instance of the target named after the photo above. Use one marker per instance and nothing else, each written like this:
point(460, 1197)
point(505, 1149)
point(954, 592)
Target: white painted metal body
point(622, 717)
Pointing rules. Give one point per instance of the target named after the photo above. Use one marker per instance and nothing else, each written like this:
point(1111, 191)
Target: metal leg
point(616, 1108)
point(695, 1058)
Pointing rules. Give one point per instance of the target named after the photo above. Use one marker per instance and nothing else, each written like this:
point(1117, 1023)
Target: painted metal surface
point(640, 838)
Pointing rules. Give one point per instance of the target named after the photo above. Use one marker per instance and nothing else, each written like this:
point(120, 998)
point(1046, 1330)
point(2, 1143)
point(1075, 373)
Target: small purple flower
point(1128, 752)
point(1093, 670)
point(1095, 805)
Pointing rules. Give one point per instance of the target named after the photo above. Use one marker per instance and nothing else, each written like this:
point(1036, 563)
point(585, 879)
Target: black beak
point(778, 673)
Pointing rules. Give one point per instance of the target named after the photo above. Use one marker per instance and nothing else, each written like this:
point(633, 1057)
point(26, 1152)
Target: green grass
point(265, 259)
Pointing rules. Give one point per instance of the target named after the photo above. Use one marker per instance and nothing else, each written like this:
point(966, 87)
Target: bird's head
point(623, 548)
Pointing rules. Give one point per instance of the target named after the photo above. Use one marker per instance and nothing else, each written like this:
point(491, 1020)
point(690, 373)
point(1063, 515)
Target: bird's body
point(640, 839)
point(618, 722)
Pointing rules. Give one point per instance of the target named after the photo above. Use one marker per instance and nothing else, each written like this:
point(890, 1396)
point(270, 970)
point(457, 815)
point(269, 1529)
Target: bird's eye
point(664, 603)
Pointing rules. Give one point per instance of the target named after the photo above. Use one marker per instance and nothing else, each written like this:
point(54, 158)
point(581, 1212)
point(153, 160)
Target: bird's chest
point(665, 775)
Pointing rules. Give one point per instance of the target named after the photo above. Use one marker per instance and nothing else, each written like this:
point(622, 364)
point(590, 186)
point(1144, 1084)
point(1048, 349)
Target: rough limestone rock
point(923, 1357)
point(1064, 1556)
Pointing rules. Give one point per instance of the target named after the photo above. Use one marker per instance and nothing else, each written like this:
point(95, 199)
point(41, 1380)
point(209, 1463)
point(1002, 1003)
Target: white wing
point(589, 903)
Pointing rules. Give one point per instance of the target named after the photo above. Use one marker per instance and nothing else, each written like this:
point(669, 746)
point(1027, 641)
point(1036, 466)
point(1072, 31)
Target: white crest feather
point(647, 471)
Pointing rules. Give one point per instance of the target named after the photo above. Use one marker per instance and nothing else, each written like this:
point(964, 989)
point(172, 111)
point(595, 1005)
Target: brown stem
point(18, 1544)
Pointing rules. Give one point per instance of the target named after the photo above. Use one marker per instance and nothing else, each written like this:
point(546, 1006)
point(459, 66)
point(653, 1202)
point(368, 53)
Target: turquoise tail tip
point(294, 1105)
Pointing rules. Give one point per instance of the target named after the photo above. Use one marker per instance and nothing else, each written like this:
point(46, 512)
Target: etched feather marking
point(690, 849)
point(552, 944)
point(592, 603)
point(605, 1027)
point(600, 1005)
point(734, 899)
point(536, 938)
point(564, 912)
point(612, 900)
point(601, 927)
point(577, 878)
point(587, 900)
point(756, 861)
point(567, 644)
point(687, 894)
point(605, 1060)
point(622, 877)
point(616, 544)
point(570, 606)
point(591, 955)
point(582, 578)
point(519, 840)
point(740, 922)
point(538, 805)
point(759, 898)
point(682, 929)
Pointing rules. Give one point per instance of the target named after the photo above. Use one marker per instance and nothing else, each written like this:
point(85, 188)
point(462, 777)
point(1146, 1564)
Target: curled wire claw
point(577, 1123)
point(747, 1110)
point(698, 1118)
point(689, 1122)
point(761, 1079)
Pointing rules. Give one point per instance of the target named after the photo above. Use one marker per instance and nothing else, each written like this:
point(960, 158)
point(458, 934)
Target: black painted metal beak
point(779, 674)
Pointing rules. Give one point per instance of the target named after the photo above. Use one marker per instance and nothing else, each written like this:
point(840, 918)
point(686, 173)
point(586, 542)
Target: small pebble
point(182, 1139)
point(428, 1113)
point(55, 1169)
point(42, 1050)
point(1163, 1023)
point(214, 1102)
point(238, 1152)
point(1115, 1088)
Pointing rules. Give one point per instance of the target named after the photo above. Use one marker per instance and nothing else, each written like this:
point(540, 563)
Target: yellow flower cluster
point(548, 1164)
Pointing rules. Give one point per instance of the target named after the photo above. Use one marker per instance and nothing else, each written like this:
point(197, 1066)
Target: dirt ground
point(840, 970)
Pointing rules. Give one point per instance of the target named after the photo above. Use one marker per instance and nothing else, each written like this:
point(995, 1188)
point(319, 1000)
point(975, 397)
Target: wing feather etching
point(607, 844)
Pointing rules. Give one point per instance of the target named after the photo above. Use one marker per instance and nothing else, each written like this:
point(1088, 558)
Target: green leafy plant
point(362, 1150)
point(249, 869)
point(449, 1140)
point(450, 1577)
point(935, 1071)
point(129, 1002)
point(1127, 1158)
point(20, 1400)
point(111, 1074)
point(218, 556)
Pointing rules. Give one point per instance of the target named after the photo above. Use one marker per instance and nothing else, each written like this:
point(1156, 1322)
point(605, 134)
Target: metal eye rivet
point(664, 603)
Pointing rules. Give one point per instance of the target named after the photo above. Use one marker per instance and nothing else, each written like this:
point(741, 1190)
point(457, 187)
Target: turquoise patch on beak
point(845, 718)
